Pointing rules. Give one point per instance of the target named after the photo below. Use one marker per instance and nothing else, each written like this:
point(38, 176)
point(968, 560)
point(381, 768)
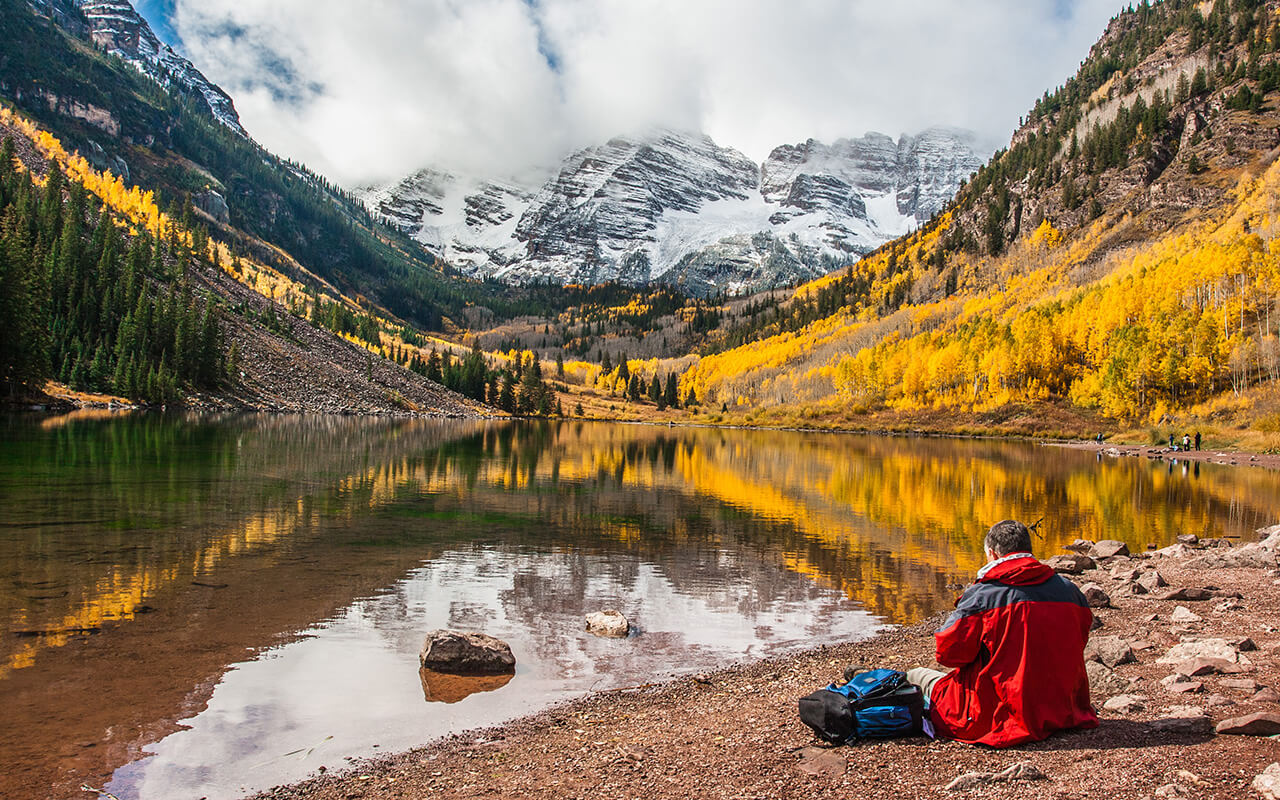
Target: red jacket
point(1017, 638)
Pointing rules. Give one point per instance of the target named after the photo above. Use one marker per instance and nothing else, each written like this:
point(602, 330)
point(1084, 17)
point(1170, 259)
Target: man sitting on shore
point(1017, 641)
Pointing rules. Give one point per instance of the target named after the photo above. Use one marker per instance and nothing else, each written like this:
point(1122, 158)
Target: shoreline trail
point(734, 733)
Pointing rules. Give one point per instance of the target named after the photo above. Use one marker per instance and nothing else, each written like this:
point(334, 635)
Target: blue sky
point(159, 14)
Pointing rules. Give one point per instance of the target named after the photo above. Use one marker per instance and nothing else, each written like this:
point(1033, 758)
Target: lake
point(206, 606)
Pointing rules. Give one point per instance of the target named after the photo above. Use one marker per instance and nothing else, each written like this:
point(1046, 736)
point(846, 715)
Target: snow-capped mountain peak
point(675, 206)
point(116, 27)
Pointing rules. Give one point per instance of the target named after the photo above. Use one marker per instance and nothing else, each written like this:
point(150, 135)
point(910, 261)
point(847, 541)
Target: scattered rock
point(1188, 539)
point(1188, 594)
point(822, 761)
point(1217, 701)
point(1110, 650)
point(1109, 548)
point(1182, 614)
point(1243, 684)
point(1266, 696)
point(1196, 725)
point(608, 623)
point(1022, 771)
point(1173, 790)
point(1185, 687)
point(1079, 546)
point(1201, 648)
point(1125, 703)
point(1095, 596)
point(1229, 605)
point(1104, 680)
point(1268, 783)
point(1263, 723)
point(1203, 666)
point(460, 653)
point(1071, 564)
point(1174, 551)
point(1125, 572)
point(1151, 581)
point(1243, 645)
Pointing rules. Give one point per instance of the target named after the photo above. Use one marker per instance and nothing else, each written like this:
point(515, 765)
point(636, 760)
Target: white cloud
point(371, 90)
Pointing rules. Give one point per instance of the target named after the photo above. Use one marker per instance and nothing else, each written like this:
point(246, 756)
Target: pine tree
point(672, 393)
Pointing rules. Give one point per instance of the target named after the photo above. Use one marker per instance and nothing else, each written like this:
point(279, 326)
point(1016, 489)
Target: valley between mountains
point(1111, 269)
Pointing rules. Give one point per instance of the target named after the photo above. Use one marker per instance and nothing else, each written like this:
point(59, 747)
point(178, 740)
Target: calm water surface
point(204, 607)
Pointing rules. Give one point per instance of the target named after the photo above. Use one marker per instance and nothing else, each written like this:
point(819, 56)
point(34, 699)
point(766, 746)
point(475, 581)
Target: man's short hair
point(1008, 536)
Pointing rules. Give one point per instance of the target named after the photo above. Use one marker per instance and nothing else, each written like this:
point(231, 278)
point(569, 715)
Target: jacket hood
point(1026, 571)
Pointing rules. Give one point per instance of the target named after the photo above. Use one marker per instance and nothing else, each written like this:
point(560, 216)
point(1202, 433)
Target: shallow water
point(203, 607)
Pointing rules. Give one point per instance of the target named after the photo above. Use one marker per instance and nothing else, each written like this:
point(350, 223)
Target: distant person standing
point(1197, 440)
point(1186, 442)
point(1171, 444)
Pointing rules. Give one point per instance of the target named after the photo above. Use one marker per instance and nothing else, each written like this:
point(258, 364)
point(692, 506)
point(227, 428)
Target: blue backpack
point(875, 704)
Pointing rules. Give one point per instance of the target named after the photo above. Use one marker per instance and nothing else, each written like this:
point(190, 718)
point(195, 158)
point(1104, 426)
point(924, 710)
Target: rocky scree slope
point(678, 208)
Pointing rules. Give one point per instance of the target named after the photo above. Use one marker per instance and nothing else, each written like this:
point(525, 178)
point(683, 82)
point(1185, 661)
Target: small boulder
point(1073, 564)
point(1203, 666)
point(1079, 546)
point(1242, 684)
point(1125, 703)
point(1199, 648)
point(462, 653)
point(608, 623)
point(1182, 614)
point(1263, 723)
point(1194, 725)
point(1110, 650)
point(1109, 548)
point(1185, 687)
point(1095, 596)
point(1188, 539)
point(1104, 680)
point(1151, 581)
point(1266, 696)
point(1243, 644)
point(1188, 594)
point(1268, 783)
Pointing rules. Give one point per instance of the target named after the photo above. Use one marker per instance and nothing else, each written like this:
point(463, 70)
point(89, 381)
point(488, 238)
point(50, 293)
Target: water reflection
point(441, 687)
point(272, 575)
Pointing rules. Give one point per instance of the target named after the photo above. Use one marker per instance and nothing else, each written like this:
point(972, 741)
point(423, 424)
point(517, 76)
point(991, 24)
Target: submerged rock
point(608, 623)
point(460, 653)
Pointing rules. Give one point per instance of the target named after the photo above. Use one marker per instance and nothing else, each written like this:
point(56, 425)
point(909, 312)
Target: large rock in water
point(460, 653)
point(608, 623)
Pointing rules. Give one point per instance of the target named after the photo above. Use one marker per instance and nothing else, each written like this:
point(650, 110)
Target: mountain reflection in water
point(240, 600)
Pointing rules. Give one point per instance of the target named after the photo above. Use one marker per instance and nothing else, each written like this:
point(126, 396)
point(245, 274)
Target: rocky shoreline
point(1184, 674)
point(1160, 452)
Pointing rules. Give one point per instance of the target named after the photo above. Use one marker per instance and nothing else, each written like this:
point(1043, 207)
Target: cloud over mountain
point(373, 90)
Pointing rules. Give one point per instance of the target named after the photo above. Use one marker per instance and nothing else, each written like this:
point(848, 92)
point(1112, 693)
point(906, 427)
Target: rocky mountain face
point(676, 207)
point(114, 26)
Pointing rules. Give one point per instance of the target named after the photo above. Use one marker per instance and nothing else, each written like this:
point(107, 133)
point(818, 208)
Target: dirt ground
point(735, 733)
